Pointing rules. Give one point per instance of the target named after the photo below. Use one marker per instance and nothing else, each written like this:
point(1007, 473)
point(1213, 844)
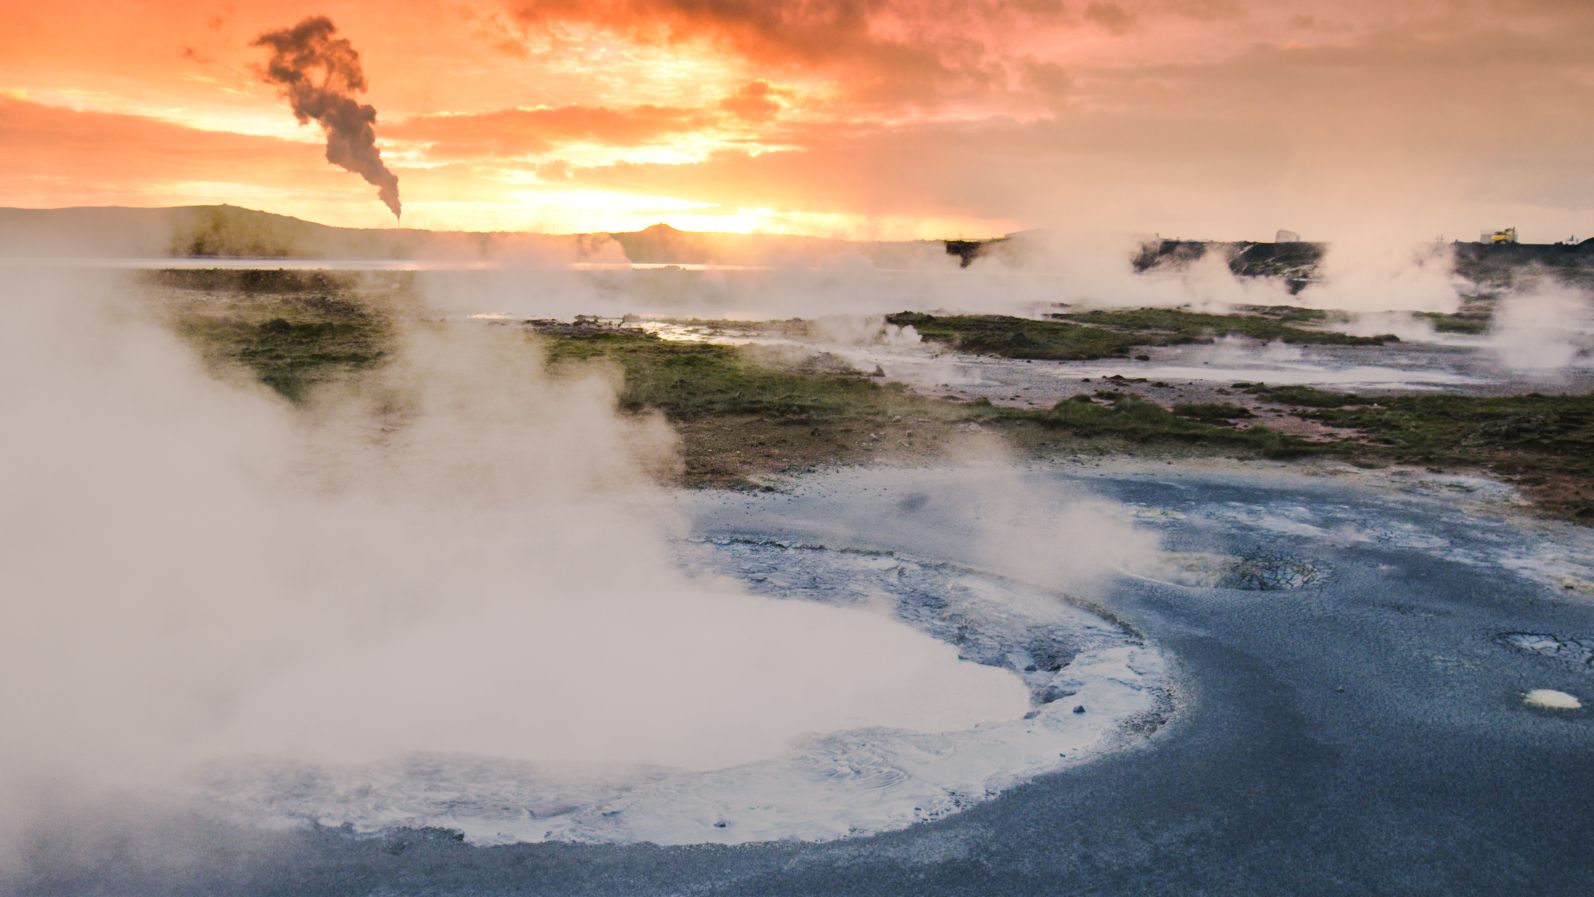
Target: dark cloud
point(319, 73)
point(1110, 16)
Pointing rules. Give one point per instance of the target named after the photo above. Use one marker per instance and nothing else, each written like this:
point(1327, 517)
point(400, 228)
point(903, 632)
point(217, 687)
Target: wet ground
point(1181, 373)
point(1361, 730)
point(1202, 373)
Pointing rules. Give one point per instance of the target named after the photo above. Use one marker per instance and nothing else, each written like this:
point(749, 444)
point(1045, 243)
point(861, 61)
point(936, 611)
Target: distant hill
point(232, 232)
point(226, 231)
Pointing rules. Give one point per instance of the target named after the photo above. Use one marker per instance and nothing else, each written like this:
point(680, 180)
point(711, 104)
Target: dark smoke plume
point(319, 73)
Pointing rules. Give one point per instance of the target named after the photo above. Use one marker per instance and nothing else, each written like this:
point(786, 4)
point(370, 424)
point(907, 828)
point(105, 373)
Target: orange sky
point(889, 118)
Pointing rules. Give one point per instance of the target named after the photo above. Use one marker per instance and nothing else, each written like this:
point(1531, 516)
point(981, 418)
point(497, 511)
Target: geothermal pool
point(1379, 683)
point(1092, 685)
point(951, 553)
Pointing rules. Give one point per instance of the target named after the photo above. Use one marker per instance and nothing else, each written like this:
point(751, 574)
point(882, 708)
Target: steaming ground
point(1392, 723)
point(437, 631)
point(1093, 686)
point(450, 596)
point(1424, 362)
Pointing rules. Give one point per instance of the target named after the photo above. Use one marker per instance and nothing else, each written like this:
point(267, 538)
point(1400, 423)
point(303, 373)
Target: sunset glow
point(887, 118)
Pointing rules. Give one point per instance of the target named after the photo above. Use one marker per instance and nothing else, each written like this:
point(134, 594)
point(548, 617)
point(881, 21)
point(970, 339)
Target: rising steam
point(319, 73)
point(467, 557)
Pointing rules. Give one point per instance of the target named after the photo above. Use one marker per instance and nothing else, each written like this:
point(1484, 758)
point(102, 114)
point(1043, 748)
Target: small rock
point(1550, 699)
point(1079, 708)
point(1054, 693)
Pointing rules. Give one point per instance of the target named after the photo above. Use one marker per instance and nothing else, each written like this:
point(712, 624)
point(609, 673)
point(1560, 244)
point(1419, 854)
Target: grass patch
point(1211, 412)
point(1448, 426)
point(1188, 326)
point(1543, 443)
point(1300, 396)
point(692, 380)
point(250, 280)
point(741, 414)
point(738, 413)
point(289, 344)
point(1010, 337)
point(1131, 419)
point(1472, 323)
point(1293, 314)
point(1079, 336)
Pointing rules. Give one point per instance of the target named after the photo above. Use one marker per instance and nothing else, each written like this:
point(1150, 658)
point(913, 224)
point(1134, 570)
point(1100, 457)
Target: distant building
point(1286, 236)
point(1506, 235)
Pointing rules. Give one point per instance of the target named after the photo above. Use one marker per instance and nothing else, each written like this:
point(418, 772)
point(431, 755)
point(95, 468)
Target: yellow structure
point(1509, 235)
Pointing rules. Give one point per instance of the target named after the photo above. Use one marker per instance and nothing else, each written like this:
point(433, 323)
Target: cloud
point(516, 133)
point(754, 101)
point(1053, 84)
point(808, 32)
point(1110, 16)
point(509, 133)
point(1203, 118)
point(1038, 171)
point(52, 157)
point(881, 50)
point(41, 145)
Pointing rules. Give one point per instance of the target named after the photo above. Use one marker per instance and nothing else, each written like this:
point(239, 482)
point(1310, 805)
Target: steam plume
point(319, 73)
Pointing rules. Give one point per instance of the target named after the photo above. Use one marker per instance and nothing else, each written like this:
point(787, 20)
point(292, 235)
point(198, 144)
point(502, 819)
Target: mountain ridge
point(229, 231)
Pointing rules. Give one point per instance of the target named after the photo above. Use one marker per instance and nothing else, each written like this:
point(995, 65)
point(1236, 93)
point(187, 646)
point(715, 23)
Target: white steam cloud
point(1543, 329)
point(468, 557)
point(1371, 273)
